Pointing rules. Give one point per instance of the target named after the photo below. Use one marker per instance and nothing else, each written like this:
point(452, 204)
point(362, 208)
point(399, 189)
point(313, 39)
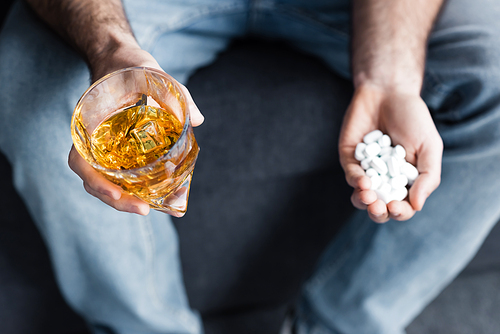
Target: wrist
point(398, 82)
point(377, 93)
point(103, 58)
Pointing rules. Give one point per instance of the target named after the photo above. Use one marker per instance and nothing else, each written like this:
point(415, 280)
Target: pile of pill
point(385, 166)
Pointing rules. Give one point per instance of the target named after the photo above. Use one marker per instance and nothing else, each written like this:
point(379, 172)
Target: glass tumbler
point(133, 127)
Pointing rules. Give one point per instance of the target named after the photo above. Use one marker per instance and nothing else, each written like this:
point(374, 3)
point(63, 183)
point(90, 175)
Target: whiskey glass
point(133, 127)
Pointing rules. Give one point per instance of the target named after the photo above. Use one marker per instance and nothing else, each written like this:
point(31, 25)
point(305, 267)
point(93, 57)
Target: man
point(373, 278)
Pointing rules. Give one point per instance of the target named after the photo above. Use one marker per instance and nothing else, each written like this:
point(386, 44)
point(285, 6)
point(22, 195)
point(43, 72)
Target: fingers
point(90, 176)
point(377, 211)
point(424, 185)
point(400, 210)
point(356, 177)
point(126, 203)
point(365, 199)
point(196, 116)
point(362, 198)
point(108, 192)
point(429, 167)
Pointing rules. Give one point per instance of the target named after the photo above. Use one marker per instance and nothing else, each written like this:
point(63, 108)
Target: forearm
point(389, 42)
point(95, 28)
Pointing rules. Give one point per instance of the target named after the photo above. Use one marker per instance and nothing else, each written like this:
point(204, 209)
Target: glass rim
point(187, 120)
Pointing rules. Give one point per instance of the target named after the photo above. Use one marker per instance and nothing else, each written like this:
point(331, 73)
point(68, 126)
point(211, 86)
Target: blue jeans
point(121, 272)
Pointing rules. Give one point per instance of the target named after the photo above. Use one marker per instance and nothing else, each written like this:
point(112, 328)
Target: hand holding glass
point(134, 128)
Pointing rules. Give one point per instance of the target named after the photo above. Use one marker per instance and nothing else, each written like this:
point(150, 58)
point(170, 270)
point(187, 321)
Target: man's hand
point(406, 119)
point(388, 59)
point(93, 182)
point(100, 32)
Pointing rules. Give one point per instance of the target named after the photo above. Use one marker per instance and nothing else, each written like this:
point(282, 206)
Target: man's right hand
point(93, 182)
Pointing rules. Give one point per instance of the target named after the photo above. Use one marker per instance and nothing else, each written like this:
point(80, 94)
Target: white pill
point(387, 150)
point(372, 150)
point(358, 152)
point(385, 197)
point(399, 181)
point(385, 187)
point(410, 171)
point(370, 172)
point(359, 156)
point(385, 178)
point(393, 166)
point(384, 141)
point(399, 152)
point(372, 136)
point(384, 193)
point(376, 181)
point(379, 165)
point(399, 194)
point(385, 157)
point(365, 163)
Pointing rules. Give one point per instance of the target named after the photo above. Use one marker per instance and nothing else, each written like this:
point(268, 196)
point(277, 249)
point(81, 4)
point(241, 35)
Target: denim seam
point(150, 258)
point(185, 22)
point(147, 232)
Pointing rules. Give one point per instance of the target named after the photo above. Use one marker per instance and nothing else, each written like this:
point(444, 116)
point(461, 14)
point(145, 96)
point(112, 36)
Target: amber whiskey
point(134, 137)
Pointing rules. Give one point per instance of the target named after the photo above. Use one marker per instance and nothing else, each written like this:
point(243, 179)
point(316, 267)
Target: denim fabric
point(375, 279)
point(121, 272)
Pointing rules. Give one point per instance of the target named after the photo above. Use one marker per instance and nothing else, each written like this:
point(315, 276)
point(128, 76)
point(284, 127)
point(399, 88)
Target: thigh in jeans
point(121, 272)
point(377, 278)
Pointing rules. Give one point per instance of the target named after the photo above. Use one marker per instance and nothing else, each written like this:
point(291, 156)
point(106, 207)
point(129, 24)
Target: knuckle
point(348, 180)
point(71, 160)
point(123, 205)
point(439, 143)
point(120, 207)
point(353, 200)
point(356, 202)
point(435, 182)
point(94, 180)
point(88, 189)
point(365, 197)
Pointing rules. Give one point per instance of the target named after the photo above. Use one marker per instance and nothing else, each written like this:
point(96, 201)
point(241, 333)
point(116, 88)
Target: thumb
point(196, 116)
point(429, 167)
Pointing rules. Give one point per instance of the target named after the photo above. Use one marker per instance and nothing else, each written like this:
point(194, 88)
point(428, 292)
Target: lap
point(391, 271)
point(106, 262)
point(46, 79)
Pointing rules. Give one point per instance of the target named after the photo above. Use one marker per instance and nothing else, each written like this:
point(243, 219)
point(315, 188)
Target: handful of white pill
point(385, 166)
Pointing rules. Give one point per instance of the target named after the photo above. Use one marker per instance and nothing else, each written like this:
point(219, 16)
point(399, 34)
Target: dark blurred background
point(241, 276)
